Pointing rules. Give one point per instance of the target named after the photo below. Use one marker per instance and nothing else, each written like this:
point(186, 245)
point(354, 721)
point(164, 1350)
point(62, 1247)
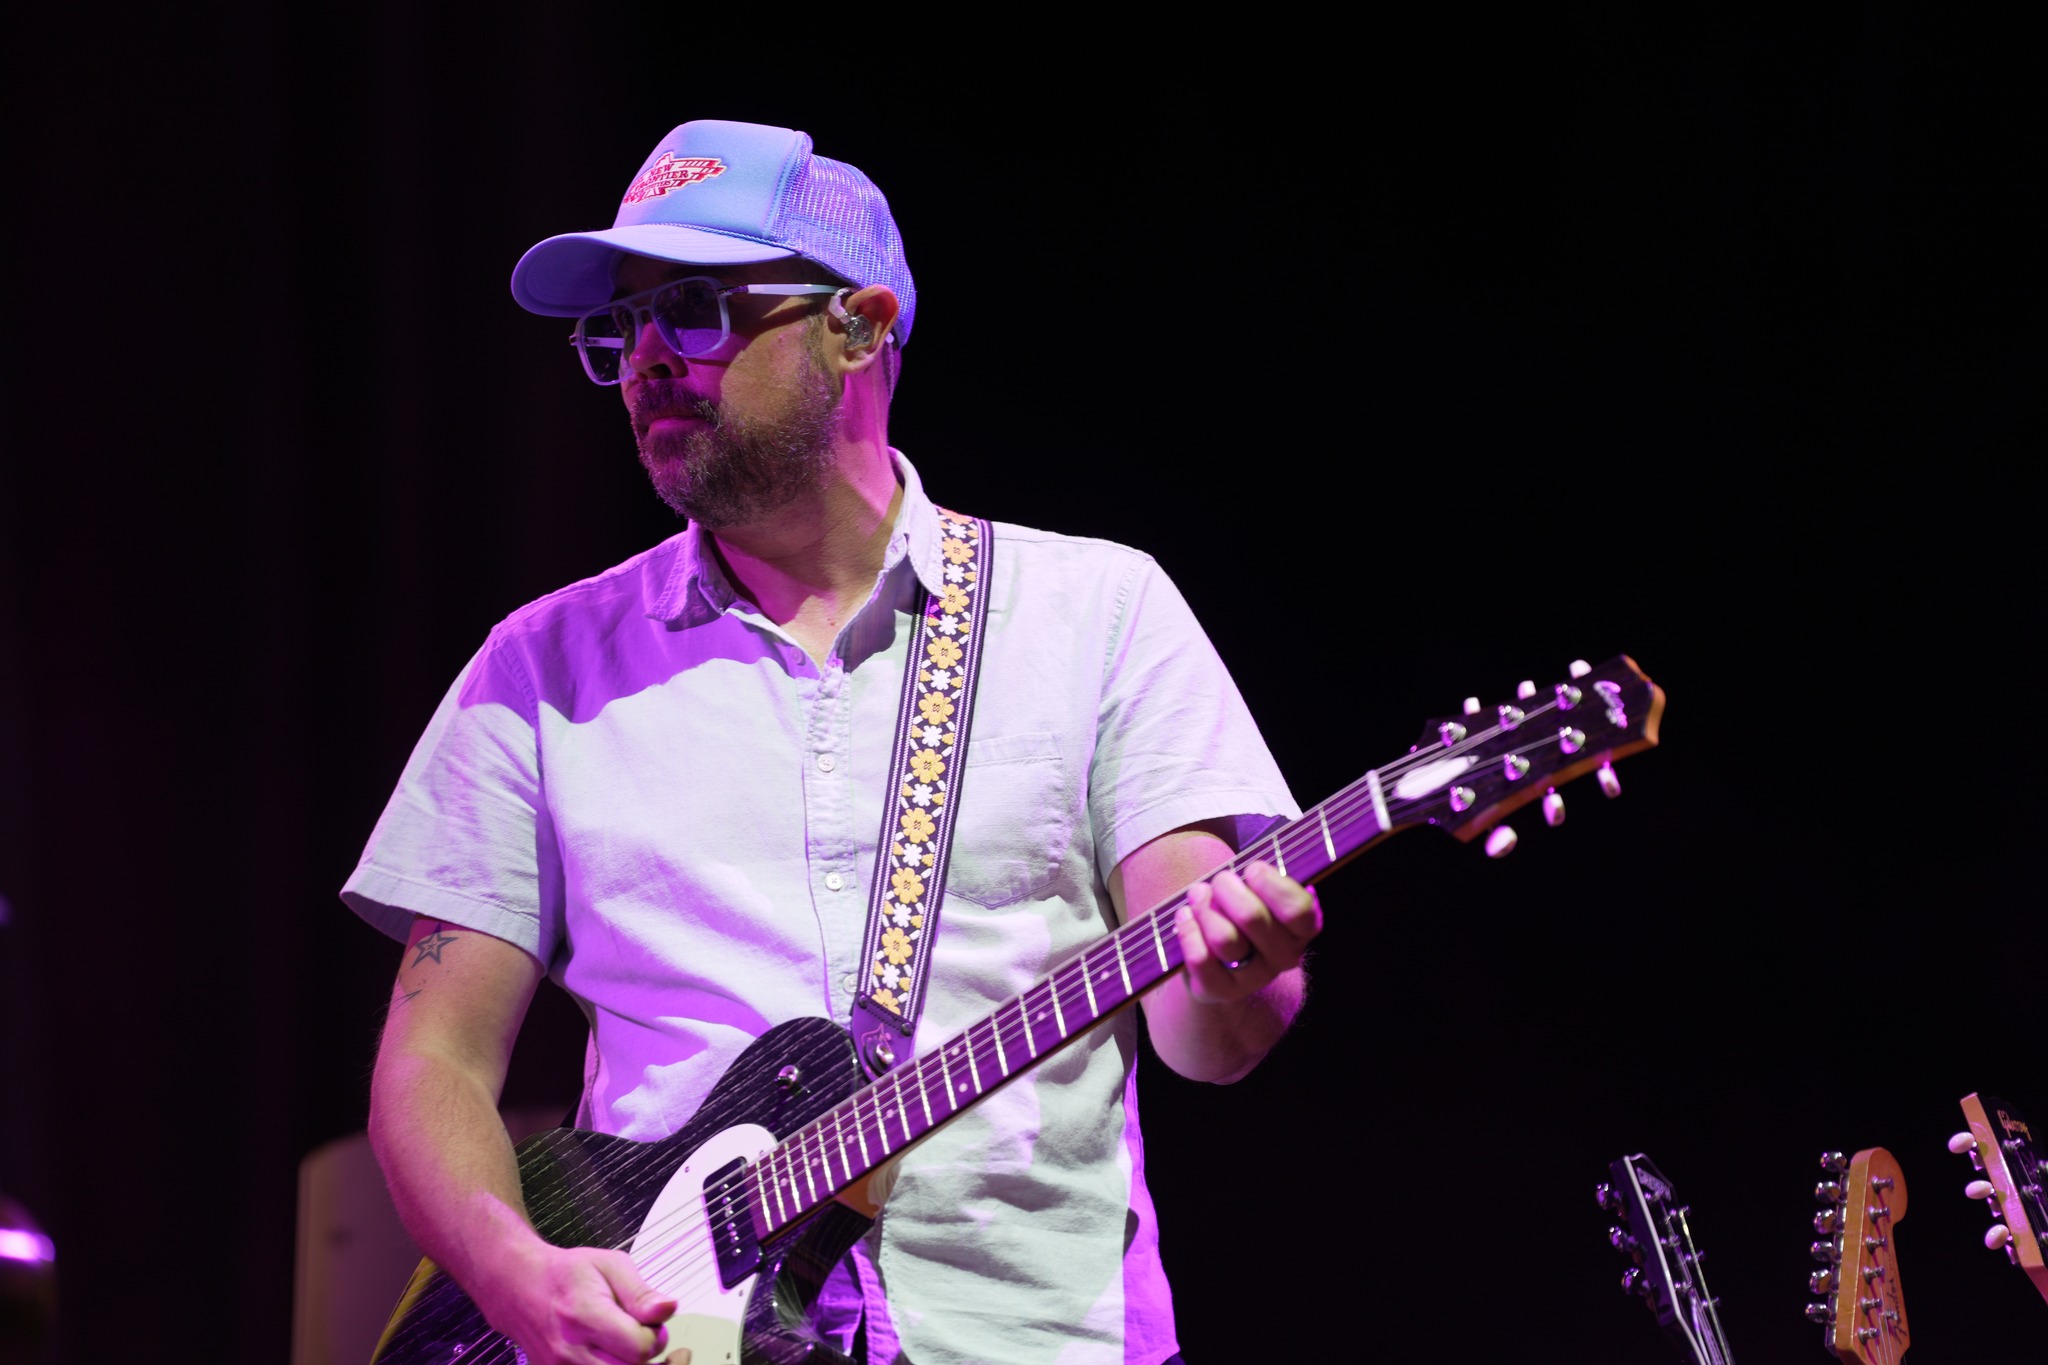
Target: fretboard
point(844, 1145)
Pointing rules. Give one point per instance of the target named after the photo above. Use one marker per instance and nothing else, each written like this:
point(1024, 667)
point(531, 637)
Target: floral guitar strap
point(921, 807)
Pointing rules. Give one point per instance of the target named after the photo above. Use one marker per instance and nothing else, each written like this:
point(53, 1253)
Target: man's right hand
point(578, 1306)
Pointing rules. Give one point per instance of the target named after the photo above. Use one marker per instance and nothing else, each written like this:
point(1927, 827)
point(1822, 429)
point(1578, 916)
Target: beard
point(741, 468)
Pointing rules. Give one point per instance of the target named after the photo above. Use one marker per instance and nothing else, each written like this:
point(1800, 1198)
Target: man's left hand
point(1238, 933)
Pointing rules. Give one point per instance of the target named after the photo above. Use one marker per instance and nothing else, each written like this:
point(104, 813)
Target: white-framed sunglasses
point(690, 314)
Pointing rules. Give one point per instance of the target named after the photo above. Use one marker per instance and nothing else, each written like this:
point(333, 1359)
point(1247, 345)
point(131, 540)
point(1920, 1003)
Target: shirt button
point(850, 981)
point(826, 763)
point(833, 881)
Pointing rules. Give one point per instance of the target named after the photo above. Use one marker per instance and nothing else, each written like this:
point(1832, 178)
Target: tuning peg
point(1819, 1312)
point(1828, 1192)
point(1821, 1281)
point(1605, 1196)
point(1609, 783)
point(1619, 1239)
point(1979, 1189)
point(1579, 668)
point(1634, 1282)
point(1524, 690)
point(1966, 1143)
point(1471, 706)
point(1501, 842)
point(1825, 1251)
point(1998, 1236)
point(1833, 1161)
point(1827, 1221)
point(1553, 808)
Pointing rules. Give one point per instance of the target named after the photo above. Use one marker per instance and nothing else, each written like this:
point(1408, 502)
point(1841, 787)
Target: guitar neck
point(1465, 774)
point(845, 1145)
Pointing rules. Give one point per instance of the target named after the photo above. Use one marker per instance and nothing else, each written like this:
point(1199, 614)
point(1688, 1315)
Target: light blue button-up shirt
point(648, 785)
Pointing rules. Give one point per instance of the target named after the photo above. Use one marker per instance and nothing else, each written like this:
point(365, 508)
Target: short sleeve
point(1175, 743)
point(466, 837)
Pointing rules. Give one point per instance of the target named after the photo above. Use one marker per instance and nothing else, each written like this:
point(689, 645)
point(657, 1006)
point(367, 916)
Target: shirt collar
point(695, 590)
point(917, 531)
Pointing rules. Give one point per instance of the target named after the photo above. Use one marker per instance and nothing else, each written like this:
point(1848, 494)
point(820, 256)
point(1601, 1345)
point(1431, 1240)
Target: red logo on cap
point(672, 173)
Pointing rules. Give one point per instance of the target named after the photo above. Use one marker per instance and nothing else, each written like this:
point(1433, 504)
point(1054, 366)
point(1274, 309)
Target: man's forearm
point(1222, 1042)
point(449, 1163)
point(434, 1125)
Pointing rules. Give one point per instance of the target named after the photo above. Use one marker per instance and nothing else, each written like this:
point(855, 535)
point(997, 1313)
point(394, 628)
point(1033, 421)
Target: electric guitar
point(742, 1213)
point(2000, 1144)
point(1655, 1235)
point(1864, 1311)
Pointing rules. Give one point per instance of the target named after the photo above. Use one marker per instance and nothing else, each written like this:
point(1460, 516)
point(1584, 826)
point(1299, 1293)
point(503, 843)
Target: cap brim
point(574, 273)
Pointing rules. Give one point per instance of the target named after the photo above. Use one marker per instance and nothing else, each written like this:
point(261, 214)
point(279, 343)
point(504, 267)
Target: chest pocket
point(1016, 820)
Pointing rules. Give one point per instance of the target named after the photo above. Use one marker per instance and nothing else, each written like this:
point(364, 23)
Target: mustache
point(668, 398)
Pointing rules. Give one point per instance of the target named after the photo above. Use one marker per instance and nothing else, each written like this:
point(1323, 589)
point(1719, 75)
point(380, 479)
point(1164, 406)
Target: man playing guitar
point(664, 787)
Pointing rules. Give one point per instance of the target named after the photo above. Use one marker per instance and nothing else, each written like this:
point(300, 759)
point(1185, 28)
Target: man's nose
point(651, 357)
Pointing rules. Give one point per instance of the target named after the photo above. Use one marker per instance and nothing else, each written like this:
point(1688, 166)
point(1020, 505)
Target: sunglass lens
point(605, 342)
point(689, 316)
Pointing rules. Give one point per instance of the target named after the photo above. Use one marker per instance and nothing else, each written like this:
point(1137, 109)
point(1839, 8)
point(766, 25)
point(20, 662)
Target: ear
point(862, 322)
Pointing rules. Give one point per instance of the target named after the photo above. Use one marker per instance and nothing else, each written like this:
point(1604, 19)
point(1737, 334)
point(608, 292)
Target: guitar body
point(592, 1189)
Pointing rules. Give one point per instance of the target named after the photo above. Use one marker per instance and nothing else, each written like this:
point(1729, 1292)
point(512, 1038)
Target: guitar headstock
point(1655, 1235)
point(2000, 1145)
point(1471, 771)
point(1864, 1309)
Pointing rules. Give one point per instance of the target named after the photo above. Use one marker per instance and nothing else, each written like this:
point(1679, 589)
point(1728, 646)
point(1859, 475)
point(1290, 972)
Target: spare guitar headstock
point(1471, 771)
point(1863, 1309)
point(1655, 1235)
point(2001, 1146)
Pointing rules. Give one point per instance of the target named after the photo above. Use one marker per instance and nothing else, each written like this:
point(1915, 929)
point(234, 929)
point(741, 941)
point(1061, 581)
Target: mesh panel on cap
point(837, 217)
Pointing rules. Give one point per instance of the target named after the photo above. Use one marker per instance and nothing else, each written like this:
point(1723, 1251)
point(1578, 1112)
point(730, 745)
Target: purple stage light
point(17, 1244)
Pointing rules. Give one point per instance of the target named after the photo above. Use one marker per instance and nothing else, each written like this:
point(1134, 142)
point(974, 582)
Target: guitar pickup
point(732, 1237)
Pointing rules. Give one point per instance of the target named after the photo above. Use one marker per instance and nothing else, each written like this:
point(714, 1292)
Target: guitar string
point(810, 1146)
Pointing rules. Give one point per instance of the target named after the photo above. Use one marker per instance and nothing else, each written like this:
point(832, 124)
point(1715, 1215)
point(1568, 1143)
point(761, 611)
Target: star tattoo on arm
point(432, 946)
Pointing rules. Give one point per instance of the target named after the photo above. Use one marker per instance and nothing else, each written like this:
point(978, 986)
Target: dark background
point(1426, 353)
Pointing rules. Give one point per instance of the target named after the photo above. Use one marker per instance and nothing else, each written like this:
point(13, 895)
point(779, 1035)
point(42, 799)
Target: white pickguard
point(674, 1253)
